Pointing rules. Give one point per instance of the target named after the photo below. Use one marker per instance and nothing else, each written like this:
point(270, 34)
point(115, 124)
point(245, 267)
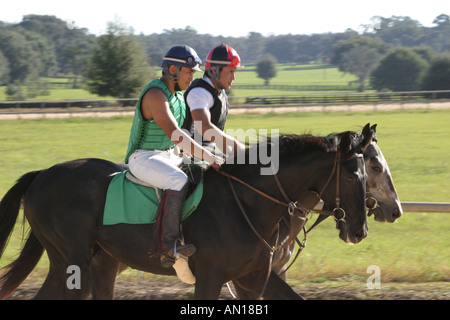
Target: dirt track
point(173, 289)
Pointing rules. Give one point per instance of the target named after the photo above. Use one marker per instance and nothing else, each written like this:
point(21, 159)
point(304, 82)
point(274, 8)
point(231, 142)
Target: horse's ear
point(367, 135)
point(374, 132)
point(345, 145)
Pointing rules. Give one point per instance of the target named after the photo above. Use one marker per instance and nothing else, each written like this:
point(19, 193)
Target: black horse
point(382, 201)
point(64, 207)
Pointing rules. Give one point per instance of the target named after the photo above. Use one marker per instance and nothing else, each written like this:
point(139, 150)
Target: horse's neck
point(296, 180)
point(264, 208)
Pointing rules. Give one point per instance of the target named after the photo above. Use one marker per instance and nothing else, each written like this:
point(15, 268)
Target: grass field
point(314, 79)
point(314, 76)
point(415, 143)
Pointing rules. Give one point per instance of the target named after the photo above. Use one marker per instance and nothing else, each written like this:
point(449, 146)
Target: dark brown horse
point(382, 202)
point(64, 207)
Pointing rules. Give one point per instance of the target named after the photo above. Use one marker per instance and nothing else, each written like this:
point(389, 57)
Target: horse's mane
point(288, 145)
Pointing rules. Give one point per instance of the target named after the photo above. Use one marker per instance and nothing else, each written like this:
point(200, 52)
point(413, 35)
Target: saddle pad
point(127, 202)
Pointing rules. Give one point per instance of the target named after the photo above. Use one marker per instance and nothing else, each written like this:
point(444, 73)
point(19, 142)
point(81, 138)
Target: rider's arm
point(156, 106)
point(202, 120)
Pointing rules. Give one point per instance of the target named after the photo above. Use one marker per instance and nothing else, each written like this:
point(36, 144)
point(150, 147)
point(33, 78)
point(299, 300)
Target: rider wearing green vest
point(155, 137)
point(148, 134)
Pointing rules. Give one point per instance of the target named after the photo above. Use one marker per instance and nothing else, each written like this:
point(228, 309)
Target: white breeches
point(159, 168)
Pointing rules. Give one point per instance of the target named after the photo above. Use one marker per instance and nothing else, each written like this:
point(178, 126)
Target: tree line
point(120, 62)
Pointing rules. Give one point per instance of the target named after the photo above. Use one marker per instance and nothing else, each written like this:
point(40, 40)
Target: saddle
point(193, 171)
point(129, 200)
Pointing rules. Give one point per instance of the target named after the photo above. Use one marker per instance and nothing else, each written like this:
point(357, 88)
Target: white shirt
point(200, 98)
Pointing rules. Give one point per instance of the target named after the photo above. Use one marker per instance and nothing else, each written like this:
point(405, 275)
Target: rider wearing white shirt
point(207, 101)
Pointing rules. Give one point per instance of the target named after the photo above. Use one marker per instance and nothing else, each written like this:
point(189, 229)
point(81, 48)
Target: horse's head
point(347, 190)
point(382, 199)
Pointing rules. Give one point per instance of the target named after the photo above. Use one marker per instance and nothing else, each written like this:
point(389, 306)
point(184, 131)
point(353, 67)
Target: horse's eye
point(350, 179)
point(377, 169)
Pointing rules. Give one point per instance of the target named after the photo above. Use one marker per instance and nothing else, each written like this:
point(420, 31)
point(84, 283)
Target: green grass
point(287, 75)
point(297, 75)
point(415, 143)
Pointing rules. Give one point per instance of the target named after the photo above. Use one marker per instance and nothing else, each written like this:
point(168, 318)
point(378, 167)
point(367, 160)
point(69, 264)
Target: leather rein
point(293, 208)
point(338, 213)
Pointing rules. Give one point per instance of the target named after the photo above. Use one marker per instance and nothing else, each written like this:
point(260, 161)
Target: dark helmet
point(223, 55)
point(182, 56)
point(219, 57)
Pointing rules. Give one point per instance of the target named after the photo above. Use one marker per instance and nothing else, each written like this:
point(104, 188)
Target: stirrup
point(186, 250)
point(167, 261)
point(168, 258)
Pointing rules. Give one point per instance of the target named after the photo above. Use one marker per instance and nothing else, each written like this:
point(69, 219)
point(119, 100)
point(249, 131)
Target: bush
point(400, 70)
point(438, 75)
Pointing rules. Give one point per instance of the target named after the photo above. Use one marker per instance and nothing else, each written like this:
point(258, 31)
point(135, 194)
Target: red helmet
point(223, 55)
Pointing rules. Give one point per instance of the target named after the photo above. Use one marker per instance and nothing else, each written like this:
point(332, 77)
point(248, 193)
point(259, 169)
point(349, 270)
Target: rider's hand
point(215, 161)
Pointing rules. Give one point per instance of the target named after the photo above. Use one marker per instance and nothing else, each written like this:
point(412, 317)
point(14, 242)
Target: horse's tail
point(32, 251)
point(17, 271)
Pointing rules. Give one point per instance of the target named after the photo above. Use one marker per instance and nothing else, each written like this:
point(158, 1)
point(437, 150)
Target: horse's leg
point(65, 282)
point(104, 270)
point(208, 284)
point(52, 287)
point(69, 273)
point(276, 288)
point(242, 293)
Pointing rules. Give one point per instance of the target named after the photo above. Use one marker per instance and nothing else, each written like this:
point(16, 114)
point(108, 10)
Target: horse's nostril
point(396, 214)
point(359, 234)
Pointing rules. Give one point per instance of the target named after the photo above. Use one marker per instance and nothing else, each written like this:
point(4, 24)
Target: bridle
point(294, 209)
point(371, 204)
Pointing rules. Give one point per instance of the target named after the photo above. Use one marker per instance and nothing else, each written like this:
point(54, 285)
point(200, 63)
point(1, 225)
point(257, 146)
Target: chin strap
point(173, 78)
point(215, 76)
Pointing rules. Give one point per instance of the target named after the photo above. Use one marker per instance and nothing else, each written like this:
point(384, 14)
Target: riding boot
point(170, 209)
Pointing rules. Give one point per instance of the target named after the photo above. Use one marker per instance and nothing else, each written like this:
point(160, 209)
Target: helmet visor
point(190, 62)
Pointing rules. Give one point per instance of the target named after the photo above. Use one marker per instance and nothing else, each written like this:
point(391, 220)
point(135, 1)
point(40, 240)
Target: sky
point(234, 18)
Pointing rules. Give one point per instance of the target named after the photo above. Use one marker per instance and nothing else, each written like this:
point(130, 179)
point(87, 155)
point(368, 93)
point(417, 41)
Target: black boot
point(170, 211)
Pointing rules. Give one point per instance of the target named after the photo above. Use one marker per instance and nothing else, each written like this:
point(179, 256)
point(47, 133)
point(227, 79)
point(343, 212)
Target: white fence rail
point(440, 207)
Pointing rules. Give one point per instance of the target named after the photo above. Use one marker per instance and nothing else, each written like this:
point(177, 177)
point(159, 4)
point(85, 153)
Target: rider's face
point(227, 76)
point(185, 77)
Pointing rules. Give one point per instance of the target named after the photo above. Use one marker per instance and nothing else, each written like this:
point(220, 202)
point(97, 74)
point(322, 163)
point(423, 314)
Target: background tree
point(20, 55)
point(255, 46)
point(400, 70)
point(60, 35)
point(400, 31)
point(43, 46)
point(360, 61)
point(342, 47)
point(358, 55)
point(438, 75)
point(4, 69)
point(266, 68)
point(118, 66)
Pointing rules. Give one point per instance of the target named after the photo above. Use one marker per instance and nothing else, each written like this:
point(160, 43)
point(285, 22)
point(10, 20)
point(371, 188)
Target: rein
point(292, 206)
point(338, 213)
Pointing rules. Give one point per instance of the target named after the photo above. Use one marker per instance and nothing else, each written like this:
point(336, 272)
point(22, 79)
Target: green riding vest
point(147, 134)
